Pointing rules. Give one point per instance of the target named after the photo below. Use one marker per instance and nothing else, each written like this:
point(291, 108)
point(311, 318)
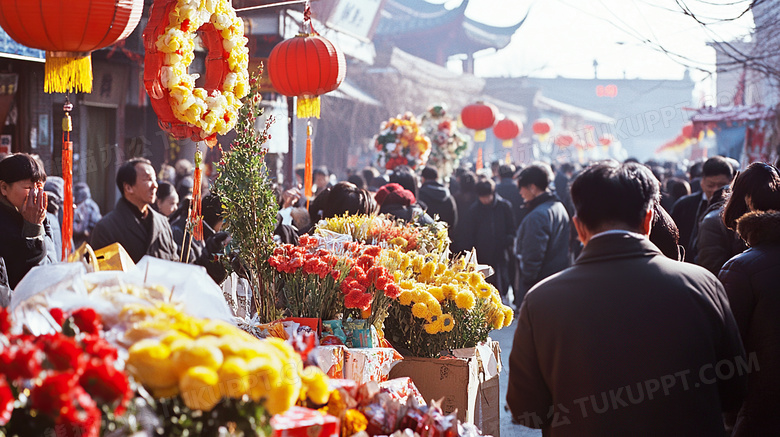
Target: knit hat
point(394, 194)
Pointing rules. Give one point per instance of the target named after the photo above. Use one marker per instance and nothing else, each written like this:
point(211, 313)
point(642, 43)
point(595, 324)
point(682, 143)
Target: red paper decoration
point(507, 129)
point(479, 116)
point(687, 130)
point(542, 126)
point(563, 140)
point(306, 67)
point(69, 30)
point(606, 140)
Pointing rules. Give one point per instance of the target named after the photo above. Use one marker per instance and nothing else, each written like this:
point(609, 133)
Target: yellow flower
point(463, 277)
point(417, 263)
point(405, 298)
point(353, 422)
point(509, 315)
point(407, 284)
point(433, 306)
point(428, 270)
point(233, 378)
point(420, 310)
point(198, 353)
point(397, 275)
point(498, 320)
point(264, 373)
point(483, 290)
point(440, 268)
point(475, 279)
point(199, 388)
point(447, 322)
point(149, 361)
point(449, 290)
point(465, 300)
point(437, 293)
point(433, 327)
point(315, 383)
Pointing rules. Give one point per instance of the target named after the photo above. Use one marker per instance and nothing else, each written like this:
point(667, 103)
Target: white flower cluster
point(215, 111)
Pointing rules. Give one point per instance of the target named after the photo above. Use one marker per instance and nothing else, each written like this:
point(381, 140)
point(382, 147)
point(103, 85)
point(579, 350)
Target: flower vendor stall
point(447, 144)
point(401, 141)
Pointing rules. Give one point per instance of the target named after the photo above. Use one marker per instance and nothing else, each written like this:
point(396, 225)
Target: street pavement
point(508, 429)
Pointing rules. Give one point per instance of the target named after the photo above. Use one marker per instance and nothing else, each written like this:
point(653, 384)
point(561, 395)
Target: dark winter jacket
point(202, 253)
point(715, 243)
point(460, 236)
point(139, 235)
point(507, 188)
point(490, 230)
point(624, 343)
point(23, 245)
point(752, 282)
point(542, 246)
point(685, 214)
point(440, 202)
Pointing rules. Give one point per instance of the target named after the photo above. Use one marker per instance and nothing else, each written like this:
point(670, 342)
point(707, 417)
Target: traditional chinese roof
point(734, 113)
point(432, 32)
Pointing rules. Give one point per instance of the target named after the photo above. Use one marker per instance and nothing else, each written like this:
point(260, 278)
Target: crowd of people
point(626, 277)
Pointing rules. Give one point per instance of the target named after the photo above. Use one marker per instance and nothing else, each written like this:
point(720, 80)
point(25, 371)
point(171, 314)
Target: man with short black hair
point(489, 228)
point(134, 223)
point(437, 198)
point(542, 243)
point(626, 341)
point(689, 210)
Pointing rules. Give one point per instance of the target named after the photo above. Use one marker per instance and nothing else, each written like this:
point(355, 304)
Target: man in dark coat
point(507, 189)
point(542, 246)
point(203, 253)
point(626, 341)
point(134, 223)
point(715, 243)
point(489, 229)
point(438, 198)
point(688, 212)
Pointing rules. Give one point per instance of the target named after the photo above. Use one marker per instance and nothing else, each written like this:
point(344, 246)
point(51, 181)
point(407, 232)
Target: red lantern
point(306, 67)
point(563, 140)
point(687, 130)
point(479, 116)
point(69, 30)
point(507, 129)
point(542, 126)
point(606, 140)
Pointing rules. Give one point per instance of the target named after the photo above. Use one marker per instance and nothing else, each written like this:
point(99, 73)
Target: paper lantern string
point(67, 176)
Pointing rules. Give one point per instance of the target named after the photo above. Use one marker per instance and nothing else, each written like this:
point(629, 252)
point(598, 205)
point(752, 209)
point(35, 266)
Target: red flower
point(365, 261)
point(376, 272)
point(392, 290)
point(358, 299)
point(106, 384)
point(372, 251)
point(58, 315)
point(346, 284)
point(60, 397)
point(5, 322)
point(6, 401)
point(98, 347)
point(383, 281)
point(87, 320)
point(51, 395)
point(335, 274)
point(62, 352)
point(311, 266)
point(20, 362)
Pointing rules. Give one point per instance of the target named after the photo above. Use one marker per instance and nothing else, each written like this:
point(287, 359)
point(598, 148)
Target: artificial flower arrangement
point(447, 144)
point(385, 231)
point(401, 141)
point(70, 381)
point(323, 279)
point(442, 306)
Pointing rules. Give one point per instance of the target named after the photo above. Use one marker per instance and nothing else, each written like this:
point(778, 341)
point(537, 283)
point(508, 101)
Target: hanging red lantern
point(563, 140)
point(479, 116)
point(507, 129)
point(542, 126)
point(687, 130)
point(306, 67)
point(606, 140)
point(69, 30)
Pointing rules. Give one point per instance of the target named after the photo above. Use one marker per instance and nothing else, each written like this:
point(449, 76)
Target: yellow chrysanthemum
point(465, 300)
point(437, 293)
point(483, 290)
point(199, 388)
point(417, 263)
point(433, 306)
point(315, 384)
point(149, 361)
point(463, 277)
point(398, 274)
point(440, 268)
point(498, 320)
point(509, 315)
point(475, 278)
point(427, 272)
point(407, 284)
point(447, 322)
point(405, 298)
point(197, 353)
point(449, 290)
point(420, 310)
point(233, 378)
point(433, 327)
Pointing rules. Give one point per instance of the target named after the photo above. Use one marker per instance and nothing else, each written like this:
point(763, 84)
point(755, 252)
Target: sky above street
point(563, 37)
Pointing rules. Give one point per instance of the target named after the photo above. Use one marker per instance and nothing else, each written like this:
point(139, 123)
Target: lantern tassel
point(508, 158)
point(507, 144)
point(196, 217)
point(64, 74)
point(480, 136)
point(67, 177)
point(309, 107)
point(308, 175)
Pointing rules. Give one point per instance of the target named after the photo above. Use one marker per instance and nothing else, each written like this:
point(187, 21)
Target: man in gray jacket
point(542, 244)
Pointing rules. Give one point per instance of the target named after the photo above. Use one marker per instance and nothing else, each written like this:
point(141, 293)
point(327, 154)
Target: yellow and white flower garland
point(214, 112)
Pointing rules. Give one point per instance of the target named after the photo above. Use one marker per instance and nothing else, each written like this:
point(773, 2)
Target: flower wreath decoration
point(185, 110)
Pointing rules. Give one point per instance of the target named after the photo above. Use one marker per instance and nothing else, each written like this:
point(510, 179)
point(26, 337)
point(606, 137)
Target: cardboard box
point(466, 382)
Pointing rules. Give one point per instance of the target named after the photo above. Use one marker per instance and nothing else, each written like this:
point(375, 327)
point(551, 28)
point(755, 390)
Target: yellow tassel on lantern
point(507, 144)
point(64, 74)
point(309, 107)
point(480, 136)
point(508, 159)
point(308, 171)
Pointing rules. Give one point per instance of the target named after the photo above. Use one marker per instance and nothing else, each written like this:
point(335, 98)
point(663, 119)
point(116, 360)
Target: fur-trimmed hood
point(759, 227)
